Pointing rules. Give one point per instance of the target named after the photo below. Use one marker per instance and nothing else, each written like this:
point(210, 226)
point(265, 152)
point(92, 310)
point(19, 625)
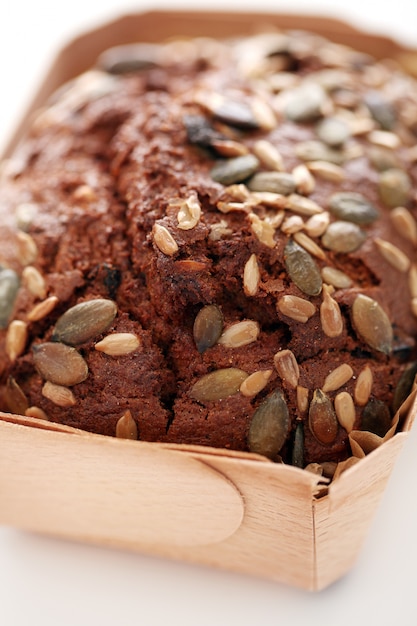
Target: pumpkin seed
point(297, 456)
point(239, 334)
point(372, 323)
point(129, 58)
point(84, 321)
point(336, 277)
point(254, 383)
point(15, 397)
point(59, 395)
point(363, 386)
point(235, 170)
point(305, 103)
point(274, 182)
point(269, 426)
point(322, 418)
point(352, 207)
point(302, 269)
point(313, 150)
point(376, 417)
point(383, 158)
point(394, 187)
point(59, 363)
point(218, 385)
point(126, 427)
point(229, 110)
point(208, 326)
point(345, 410)
point(343, 237)
point(287, 367)
point(333, 131)
point(404, 386)
point(380, 109)
point(9, 286)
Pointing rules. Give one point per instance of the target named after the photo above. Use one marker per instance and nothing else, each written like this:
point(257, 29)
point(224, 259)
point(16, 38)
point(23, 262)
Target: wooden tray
point(224, 509)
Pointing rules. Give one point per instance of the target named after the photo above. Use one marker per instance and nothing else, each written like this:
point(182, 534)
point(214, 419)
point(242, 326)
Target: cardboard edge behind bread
point(284, 533)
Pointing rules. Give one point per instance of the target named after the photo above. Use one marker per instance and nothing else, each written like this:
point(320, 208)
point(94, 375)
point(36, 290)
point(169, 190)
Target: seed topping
point(126, 427)
point(268, 430)
point(240, 334)
point(16, 338)
point(269, 155)
point(9, 286)
point(263, 230)
point(59, 395)
point(338, 377)
point(330, 315)
point(393, 255)
point(372, 323)
point(345, 410)
point(254, 383)
point(235, 170)
point(34, 281)
point(118, 344)
point(296, 308)
point(394, 187)
point(404, 223)
point(208, 327)
point(164, 240)
point(251, 276)
point(84, 321)
point(59, 363)
point(42, 309)
point(274, 182)
point(287, 367)
point(343, 237)
point(189, 213)
point(352, 207)
point(218, 385)
point(302, 269)
point(336, 277)
point(363, 386)
point(322, 418)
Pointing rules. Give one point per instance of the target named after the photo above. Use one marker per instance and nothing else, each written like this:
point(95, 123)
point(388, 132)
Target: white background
point(50, 582)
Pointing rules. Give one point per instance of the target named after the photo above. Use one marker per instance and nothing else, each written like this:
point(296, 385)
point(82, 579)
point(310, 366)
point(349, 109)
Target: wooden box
point(203, 505)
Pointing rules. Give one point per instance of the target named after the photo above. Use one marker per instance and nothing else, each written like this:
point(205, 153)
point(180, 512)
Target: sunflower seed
point(263, 114)
point(343, 237)
point(84, 321)
point(292, 224)
point(302, 269)
point(218, 385)
point(189, 213)
point(84, 193)
point(302, 399)
point(302, 205)
point(208, 327)
point(268, 430)
point(327, 171)
point(126, 427)
point(235, 170)
point(376, 417)
point(316, 225)
point(34, 281)
point(231, 207)
point(393, 255)
point(336, 277)
point(352, 207)
point(15, 397)
point(239, 334)
point(296, 308)
point(25, 214)
point(229, 148)
point(255, 382)
point(414, 306)
point(9, 286)
point(35, 411)
point(304, 181)
point(372, 323)
point(219, 230)
point(337, 378)
point(317, 151)
point(404, 223)
point(60, 364)
point(27, 248)
point(322, 418)
point(383, 158)
point(308, 244)
point(274, 182)
point(287, 367)
point(269, 199)
point(345, 410)
point(394, 187)
point(363, 386)
point(404, 386)
point(305, 103)
point(333, 131)
point(297, 456)
point(384, 139)
point(412, 281)
point(118, 344)
point(263, 230)
point(268, 154)
point(164, 240)
point(42, 309)
point(330, 315)
point(59, 395)
point(251, 276)
point(16, 337)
